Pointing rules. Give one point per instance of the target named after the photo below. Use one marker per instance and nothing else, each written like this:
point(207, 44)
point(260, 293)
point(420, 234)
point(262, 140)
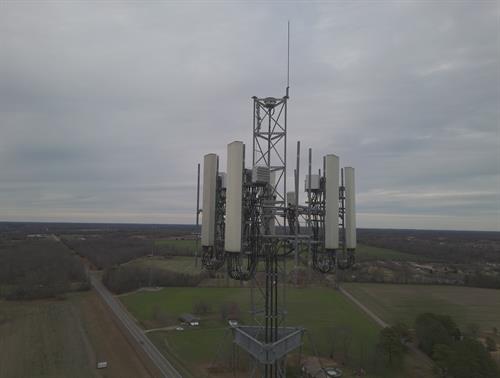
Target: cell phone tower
point(253, 226)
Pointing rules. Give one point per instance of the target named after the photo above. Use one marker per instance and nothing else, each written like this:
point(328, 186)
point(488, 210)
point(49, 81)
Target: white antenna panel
point(332, 202)
point(210, 164)
point(314, 183)
point(350, 208)
point(234, 196)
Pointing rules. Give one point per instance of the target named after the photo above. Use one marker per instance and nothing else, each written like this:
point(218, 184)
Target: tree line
point(124, 278)
point(449, 246)
point(39, 268)
point(456, 354)
point(114, 249)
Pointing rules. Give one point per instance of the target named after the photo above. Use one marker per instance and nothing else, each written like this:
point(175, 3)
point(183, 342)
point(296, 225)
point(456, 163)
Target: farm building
point(189, 319)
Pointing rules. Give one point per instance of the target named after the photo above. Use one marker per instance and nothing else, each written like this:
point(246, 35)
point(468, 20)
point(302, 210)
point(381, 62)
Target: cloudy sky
point(107, 107)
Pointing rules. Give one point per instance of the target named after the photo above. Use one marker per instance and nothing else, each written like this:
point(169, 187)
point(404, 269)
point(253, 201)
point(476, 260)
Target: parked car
point(333, 372)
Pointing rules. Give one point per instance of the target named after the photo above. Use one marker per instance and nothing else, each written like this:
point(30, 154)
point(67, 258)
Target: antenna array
point(252, 225)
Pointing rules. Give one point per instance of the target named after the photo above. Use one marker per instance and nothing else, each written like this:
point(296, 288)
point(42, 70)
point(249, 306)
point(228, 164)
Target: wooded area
point(126, 278)
point(455, 353)
point(437, 245)
point(38, 267)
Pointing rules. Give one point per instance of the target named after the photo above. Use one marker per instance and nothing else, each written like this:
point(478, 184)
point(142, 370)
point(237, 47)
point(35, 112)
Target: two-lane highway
point(135, 331)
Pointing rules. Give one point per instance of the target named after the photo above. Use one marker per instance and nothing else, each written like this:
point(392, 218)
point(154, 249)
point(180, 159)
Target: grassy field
point(369, 253)
point(64, 338)
point(35, 340)
point(403, 302)
point(178, 264)
point(188, 245)
point(109, 342)
point(199, 346)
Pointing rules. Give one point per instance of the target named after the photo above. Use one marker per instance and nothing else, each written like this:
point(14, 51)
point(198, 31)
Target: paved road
point(136, 332)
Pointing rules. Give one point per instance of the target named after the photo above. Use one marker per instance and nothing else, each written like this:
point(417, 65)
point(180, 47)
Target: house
point(190, 319)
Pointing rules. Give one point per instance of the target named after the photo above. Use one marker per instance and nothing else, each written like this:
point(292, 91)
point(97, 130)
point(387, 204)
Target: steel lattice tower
point(252, 226)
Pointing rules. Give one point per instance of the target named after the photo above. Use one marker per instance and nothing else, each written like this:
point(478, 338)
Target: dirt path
point(370, 313)
point(422, 365)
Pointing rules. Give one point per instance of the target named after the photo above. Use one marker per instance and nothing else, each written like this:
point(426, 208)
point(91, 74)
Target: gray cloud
point(105, 108)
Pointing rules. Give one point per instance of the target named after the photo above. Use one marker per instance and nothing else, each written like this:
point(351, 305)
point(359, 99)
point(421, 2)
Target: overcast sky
point(107, 107)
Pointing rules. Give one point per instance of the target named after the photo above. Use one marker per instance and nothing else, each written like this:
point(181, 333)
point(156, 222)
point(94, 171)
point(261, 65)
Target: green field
point(178, 264)
point(466, 305)
point(43, 339)
point(187, 245)
point(321, 311)
point(369, 253)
